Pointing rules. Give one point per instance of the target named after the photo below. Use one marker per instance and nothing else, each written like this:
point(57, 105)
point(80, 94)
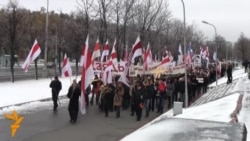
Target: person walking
point(229, 73)
point(106, 97)
point(138, 99)
point(56, 87)
point(119, 92)
point(73, 94)
point(149, 91)
point(161, 95)
point(97, 83)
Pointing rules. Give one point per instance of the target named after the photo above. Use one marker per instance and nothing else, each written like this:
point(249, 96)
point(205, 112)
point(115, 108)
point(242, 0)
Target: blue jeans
point(160, 104)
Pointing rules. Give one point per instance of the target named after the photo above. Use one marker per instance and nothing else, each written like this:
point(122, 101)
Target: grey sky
point(231, 17)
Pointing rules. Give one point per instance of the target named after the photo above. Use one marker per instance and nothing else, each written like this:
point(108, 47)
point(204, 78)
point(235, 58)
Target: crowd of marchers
point(145, 95)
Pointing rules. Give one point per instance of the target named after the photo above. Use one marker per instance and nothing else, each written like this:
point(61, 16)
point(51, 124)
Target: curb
point(233, 115)
point(41, 100)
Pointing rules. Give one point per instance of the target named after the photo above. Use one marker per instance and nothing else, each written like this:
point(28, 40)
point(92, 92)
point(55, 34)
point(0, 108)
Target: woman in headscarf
point(73, 94)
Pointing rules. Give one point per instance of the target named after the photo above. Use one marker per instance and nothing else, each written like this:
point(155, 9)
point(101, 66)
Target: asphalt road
point(47, 126)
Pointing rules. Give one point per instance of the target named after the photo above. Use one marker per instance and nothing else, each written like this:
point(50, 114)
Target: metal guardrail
point(19, 74)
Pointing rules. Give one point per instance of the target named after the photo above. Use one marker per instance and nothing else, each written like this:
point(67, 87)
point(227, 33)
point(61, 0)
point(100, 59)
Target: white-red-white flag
point(33, 54)
point(165, 61)
point(105, 52)
point(107, 74)
point(113, 54)
point(87, 74)
point(97, 52)
point(66, 68)
point(147, 58)
point(137, 49)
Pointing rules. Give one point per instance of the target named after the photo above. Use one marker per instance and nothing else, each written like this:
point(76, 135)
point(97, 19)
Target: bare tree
point(14, 31)
point(242, 46)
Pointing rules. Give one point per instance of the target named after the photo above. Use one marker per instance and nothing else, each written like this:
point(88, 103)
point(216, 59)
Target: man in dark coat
point(149, 91)
point(106, 98)
point(56, 87)
point(138, 99)
point(73, 94)
point(229, 73)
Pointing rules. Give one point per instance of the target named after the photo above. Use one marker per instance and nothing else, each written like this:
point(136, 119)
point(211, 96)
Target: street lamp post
point(185, 53)
point(46, 39)
point(205, 22)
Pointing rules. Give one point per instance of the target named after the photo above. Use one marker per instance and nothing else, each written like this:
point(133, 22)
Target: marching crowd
point(145, 94)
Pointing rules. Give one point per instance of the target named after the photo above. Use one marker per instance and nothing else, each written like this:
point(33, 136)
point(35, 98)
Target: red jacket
point(162, 87)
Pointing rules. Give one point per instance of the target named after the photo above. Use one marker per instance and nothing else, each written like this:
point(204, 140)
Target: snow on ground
point(238, 73)
point(28, 90)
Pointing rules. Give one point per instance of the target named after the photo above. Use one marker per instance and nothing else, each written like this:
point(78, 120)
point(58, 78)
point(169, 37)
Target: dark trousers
point(160, 104)
point(117, 109)
point(87, 99)
point(147, 105)
point(153, 103)
point(230, 78)
point(132, 108)
point(73, 112)
point(96, 98)
point(55, 98)
point(169, 99)
point(138, 111)
point(125, 103)
point(106, 106)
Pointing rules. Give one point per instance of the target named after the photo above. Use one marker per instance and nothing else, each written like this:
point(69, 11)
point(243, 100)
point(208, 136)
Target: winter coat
point(105, 91)
point(73, 95)
point(138, 95)
point(119, 92)
point(149, 91)
point(106, 94)
point(170, 89)
point(55, 86)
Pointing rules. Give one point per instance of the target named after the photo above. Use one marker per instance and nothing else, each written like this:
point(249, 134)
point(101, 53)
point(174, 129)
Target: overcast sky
point(230, 17)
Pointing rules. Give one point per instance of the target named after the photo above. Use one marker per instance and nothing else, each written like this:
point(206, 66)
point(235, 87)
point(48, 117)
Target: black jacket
point(55, 86)
point(73, 95)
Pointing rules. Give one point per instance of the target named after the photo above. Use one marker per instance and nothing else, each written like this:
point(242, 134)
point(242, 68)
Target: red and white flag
point(33, 54)
point(147, 58)
point(137, 49)
point(87, 73)
point(105, 52)
point(97, 52)
point(107, 74)
point(165, 61)
point(66, 68)
point(113, 54)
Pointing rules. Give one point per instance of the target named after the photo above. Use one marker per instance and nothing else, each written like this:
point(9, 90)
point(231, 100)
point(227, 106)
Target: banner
point(119, 68)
